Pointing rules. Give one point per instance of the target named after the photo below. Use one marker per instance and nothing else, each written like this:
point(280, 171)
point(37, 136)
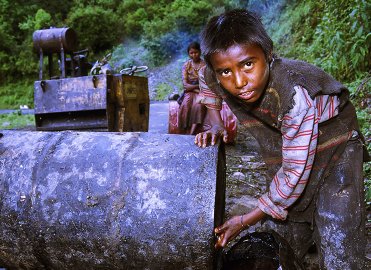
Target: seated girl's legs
point(197, 115)
point(340, 214)
point(184, 113)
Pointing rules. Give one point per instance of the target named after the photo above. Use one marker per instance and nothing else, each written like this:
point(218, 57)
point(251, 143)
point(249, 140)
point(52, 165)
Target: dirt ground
point(246, 178)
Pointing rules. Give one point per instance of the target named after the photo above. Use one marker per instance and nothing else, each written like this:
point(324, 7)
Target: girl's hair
point(233, 27)
point(194, 45)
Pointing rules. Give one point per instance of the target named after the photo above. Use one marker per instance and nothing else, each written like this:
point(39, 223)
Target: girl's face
point(194, 54)
point(242, 70)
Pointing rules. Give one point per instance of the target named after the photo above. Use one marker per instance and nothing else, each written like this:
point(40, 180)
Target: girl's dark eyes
point(225, 72)
point(248, 65)
point(245, 66)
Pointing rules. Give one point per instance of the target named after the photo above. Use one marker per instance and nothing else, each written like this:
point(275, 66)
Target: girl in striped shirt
point(308, 134)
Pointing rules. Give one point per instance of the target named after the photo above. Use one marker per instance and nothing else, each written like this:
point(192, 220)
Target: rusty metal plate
point(71, 94)
point(134, 86)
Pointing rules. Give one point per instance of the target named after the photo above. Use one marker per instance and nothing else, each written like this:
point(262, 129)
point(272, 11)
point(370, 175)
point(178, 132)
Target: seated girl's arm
point(188, 87)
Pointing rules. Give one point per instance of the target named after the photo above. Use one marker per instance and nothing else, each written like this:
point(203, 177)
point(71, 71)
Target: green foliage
point(129, 54)
point(15, 94)
point(59, 9)
point(334, 35)
point(165, 47)
point(167, 27)
point(133, 22)
point(368, 192)
point(361, 97)
point(133, 15)
point(6, 37)
point(264, 7)
point(98, 29)
point(26, 62)
point(188, 15)
point(13, 14)
point(16, 120)
point(41, 20)
point(162, 91)
point(163, 27)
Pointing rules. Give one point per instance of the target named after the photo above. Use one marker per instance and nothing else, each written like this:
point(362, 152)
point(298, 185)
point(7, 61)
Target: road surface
point(158, 116)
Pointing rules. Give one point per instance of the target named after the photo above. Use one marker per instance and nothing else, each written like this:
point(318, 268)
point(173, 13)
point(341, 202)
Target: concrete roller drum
point(102, 200)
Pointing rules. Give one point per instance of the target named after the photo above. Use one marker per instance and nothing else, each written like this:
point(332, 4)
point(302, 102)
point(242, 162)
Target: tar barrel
point(53, 40)
point(105, 200)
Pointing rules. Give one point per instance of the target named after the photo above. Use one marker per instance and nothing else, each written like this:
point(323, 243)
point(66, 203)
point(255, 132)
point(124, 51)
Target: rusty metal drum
point(104, 200)
point(53, 39)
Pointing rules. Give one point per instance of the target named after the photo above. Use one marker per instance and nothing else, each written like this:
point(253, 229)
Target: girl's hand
point(228, 231)
point(212, 135)
point(190, 87)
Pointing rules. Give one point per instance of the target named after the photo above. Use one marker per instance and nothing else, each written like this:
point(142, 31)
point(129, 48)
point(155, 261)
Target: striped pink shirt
point(299, 141)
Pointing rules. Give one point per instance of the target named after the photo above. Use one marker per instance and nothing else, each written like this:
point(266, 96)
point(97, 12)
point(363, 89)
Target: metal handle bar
point(133, 69)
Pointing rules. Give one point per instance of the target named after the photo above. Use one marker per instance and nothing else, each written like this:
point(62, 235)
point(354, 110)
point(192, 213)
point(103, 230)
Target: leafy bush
point(98, 29)
point(15, 42)
point(162, 91)
point(16, 120)
point(127, 54)
point(100, 25)
point(361, 97)
point(165, 47)
point(334, 35)
point(15, 94)
point(170, 28)
point(42, 19)
point(134, 22)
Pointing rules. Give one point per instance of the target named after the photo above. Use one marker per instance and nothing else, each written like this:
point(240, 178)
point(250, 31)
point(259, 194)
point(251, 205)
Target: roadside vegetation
point(16, 120)
point(334, 35)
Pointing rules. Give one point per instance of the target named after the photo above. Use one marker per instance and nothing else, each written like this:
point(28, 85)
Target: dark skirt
point(190, 111)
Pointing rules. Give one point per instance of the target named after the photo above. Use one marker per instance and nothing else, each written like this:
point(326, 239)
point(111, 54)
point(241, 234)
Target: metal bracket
point(43, 85)
point(95, 81)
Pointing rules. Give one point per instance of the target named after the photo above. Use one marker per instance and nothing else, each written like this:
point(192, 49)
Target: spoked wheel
point(133, 69)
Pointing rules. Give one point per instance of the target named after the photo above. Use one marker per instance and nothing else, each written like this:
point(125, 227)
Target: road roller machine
point(70, 98)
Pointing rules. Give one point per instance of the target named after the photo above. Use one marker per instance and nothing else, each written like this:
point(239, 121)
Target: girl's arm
point(213, 104)
point(299, 141)
point(217, 130)
point(231, 228)
point(188, 87)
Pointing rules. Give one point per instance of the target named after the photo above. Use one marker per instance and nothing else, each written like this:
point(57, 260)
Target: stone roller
point(101, 200)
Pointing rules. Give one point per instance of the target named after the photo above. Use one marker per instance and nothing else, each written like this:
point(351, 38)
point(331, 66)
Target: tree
point(98, 29)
